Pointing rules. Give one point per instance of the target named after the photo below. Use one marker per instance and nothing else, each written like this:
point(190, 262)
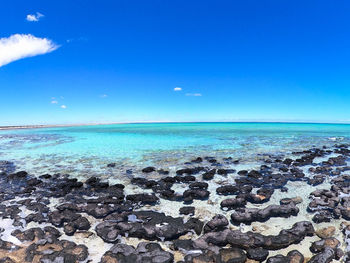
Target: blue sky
point(120, 61)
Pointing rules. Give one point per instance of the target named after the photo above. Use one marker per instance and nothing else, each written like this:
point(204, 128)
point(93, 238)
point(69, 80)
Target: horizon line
point(38, 126)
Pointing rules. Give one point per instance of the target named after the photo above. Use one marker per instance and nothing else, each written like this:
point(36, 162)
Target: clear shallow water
point(87, 148)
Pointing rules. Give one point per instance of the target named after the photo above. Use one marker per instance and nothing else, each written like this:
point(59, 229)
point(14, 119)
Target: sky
point(105, 61)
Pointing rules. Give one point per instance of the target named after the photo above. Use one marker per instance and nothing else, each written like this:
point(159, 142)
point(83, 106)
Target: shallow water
point(87, 149)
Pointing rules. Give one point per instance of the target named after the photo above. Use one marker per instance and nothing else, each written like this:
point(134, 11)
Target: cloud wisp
point(103, 96)
point(63, 106)
point(194, 94)
point(34, 18)
point(19, 46)
point(177, 89)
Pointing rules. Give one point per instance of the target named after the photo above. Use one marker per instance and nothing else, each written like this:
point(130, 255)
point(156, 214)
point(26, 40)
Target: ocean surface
point(87, 149)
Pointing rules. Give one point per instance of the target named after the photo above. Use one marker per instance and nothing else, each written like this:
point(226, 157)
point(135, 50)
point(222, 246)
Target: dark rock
point(228, 190)
point(189, 171)
point(233, 203)
point(198, 185)
point(326, 256)
point(248, 240)
point(145, 252)
point(148, 225)
point(197, 160)
point(148, 169)
point(186, 210)
point(232, 255)
point(225, 171)
point(319, 246)
point(163, 172)
point(145, 199)
point(191, 194)
point(217, 223)
point(249, 215)
point(258, 254)
point(209, 175)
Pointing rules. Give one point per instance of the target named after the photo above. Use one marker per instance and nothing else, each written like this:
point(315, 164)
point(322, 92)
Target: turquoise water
point(90, 147)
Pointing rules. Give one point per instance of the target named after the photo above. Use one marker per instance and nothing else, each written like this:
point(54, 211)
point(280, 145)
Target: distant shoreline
point(20, 127)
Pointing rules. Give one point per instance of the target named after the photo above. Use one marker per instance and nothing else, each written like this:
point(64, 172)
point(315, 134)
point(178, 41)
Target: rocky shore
point(206, 211)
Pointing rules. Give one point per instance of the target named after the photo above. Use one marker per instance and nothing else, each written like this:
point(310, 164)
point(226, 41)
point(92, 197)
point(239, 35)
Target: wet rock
point(111, 165)
point(148, 169)
point(183, 244)
point(79, 224)
point(248, 240)
point(189, 171)
point(187, 210)
point(145, 252)
point(144, 199)
point(143, 182)
point(198, 185)
point(17, 176)
point(148, 225)
point(163, 172)
point(233, 203)
point(45, 176)
point(242, 172)
point(326, 256)
point(57, 218)
point(322, 216)
point(228, 190)
point(319, 246)
point(295, 200)
point(197, 160)
point(217, 223)
point(209, 175)
point(99, 210)
point(50, 234)
point(316, 180)
point(232, 255)
point(249, 215)
point(92, 180)
point(199, 194)
point(185, 179)
point(293, 256)
point(205, 257)
point(225, 171)
point(258, 254)
point(195, 224)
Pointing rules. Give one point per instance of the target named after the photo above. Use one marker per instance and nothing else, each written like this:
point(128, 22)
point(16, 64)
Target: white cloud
point(103, 96)
point(34, 18)
point(63, 106)
point(20, 46)
point(54, 102)
point(194, 94)
point(177, 89)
